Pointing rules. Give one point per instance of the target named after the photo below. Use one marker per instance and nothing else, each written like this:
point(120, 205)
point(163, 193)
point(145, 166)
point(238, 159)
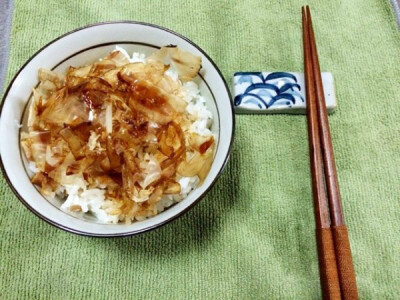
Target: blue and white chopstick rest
point(276, 92)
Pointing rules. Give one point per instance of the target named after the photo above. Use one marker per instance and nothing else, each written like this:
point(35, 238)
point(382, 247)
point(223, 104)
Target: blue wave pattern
point(274, 89)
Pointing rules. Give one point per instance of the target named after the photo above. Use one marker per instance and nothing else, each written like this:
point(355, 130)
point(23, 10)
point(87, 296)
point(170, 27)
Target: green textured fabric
point(253, 236)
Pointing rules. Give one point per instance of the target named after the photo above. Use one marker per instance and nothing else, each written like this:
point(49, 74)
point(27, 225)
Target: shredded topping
point(118, 130)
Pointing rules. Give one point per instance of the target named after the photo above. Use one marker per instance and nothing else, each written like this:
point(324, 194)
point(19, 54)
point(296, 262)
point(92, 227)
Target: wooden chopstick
point(326, 252)
point(344, 260)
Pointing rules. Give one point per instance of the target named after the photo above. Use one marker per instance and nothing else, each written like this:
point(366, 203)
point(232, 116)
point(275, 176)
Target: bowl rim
point(158, 225)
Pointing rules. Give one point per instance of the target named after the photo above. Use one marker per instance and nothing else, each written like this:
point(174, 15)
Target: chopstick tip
point(308, 10)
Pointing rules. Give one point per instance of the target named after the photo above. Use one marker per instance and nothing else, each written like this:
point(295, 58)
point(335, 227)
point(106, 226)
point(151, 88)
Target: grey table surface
point(6, 9)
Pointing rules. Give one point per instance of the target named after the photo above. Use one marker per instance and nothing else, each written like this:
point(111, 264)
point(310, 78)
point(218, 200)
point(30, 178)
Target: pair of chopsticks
point(336, 266)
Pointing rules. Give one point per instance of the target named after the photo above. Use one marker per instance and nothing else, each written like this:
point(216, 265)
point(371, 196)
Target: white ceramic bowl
point(83, 46)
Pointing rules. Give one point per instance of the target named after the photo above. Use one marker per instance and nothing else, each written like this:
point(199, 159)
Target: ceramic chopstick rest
point(276, 92)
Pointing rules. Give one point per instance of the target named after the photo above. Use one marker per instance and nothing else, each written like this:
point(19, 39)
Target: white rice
point(94, 201)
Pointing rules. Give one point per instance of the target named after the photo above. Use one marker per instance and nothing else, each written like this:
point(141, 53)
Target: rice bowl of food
point(115, 129)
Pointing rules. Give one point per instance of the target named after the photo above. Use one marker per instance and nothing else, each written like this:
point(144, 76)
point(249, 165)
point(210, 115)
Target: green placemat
point(252, 237)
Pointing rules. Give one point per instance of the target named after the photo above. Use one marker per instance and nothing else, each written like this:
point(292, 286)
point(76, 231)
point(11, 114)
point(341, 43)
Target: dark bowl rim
point(158, 225)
